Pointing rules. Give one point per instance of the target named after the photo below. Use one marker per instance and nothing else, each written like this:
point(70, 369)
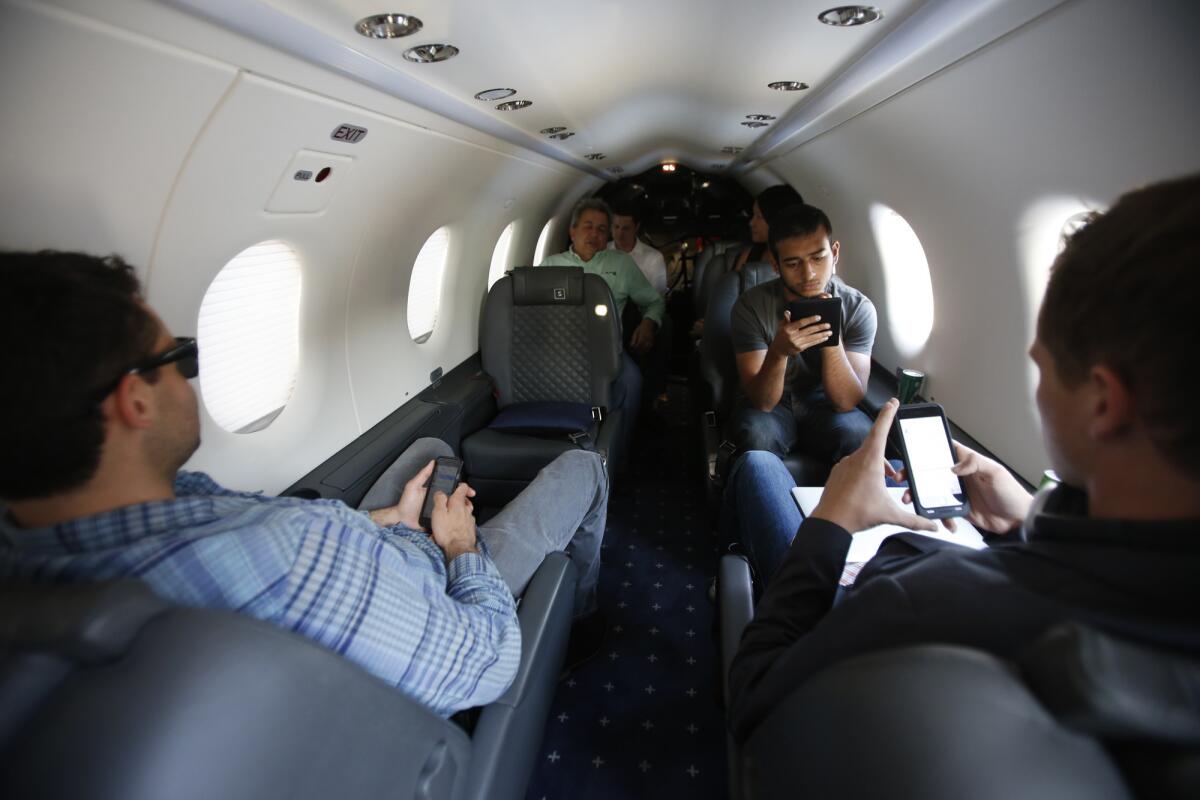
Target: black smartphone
point(928, 456)
point(446, 474)
point(829, 309)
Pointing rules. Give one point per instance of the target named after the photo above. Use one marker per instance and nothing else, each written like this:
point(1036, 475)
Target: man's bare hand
point(643, 336)
point(453, 522)
point(407, 511)
point(855, 496)
point(792, 338)
point(998, 502)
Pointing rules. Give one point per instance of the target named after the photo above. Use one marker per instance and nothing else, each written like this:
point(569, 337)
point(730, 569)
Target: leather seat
point(547, 335)
point(1081, 714)
point(108, 691)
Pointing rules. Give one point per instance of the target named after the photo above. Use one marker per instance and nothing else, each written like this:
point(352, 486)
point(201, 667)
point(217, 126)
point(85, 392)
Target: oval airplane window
point(500, 255)
point(425, 287)
point(906, 277)
point(539, 252)
point(249, 337)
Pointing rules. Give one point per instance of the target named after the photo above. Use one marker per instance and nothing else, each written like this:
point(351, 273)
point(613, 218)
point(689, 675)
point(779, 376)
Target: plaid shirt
point(382, 597)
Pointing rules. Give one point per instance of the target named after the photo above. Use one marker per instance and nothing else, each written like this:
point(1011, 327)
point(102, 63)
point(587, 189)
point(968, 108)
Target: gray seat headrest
point(536, 286)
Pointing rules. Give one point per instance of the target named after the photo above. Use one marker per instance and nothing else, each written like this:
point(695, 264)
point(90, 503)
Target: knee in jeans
point(754, 437)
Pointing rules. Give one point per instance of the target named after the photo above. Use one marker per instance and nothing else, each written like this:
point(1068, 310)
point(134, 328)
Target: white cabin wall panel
point(88, 161)
point(966, 154)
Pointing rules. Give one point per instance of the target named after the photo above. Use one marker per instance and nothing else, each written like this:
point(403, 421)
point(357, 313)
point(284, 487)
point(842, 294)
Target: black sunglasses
point(185, 355)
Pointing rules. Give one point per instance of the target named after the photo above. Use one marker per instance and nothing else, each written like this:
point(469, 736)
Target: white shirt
point(650, 262)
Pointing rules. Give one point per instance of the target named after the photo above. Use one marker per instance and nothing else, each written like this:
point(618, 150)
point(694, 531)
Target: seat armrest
point(509, 731)
point(735, 598)
point(608, 439)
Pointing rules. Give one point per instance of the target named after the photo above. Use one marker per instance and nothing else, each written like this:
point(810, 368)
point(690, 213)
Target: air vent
point(788, 86)
point(595, 156)
point(850, 16)
point(760, 117)
point(430, 53)
point(617, 170)
point(731, 149)
point(514, 105)
point(555, 129)
point(562, 135)
point(754, 124)
point(388, 26)
point(494, 94)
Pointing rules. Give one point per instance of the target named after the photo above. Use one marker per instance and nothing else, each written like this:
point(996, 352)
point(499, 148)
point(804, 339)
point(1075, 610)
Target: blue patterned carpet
point(643, 719)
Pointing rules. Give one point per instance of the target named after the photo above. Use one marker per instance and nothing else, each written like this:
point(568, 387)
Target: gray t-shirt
point(757, 315)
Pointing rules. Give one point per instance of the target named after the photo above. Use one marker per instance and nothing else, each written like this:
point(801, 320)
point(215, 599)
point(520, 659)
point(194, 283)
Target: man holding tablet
point(1115, 547)
point(803, 346)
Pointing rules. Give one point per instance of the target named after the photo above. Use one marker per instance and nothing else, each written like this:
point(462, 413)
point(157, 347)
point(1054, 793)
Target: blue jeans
point(565, 508)
point(759, 511)
point(626, 394)
point(809, 425)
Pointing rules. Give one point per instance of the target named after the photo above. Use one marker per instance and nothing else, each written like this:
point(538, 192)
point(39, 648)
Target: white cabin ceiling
point(641, 82)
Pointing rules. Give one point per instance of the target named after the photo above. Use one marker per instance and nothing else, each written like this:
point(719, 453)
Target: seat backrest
point(550, 334)
point(934, 721)
point(107, 691)
point(718, 367)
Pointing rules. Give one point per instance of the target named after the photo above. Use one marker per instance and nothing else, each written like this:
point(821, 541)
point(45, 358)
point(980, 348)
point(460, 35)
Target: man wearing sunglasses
point(96, 420)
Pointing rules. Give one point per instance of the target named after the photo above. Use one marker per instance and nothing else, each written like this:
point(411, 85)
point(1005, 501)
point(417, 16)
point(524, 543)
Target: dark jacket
point(1138, 580)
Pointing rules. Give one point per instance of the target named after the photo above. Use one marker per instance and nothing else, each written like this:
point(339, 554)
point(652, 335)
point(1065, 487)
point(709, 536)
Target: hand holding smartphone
point(928, 454)
point(447, 472)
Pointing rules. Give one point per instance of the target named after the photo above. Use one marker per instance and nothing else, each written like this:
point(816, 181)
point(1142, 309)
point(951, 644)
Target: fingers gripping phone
point(928, 456)
point(446, 474)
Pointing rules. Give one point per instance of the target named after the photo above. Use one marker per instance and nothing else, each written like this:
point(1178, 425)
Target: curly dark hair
point(71, 323)
point(1123, 294)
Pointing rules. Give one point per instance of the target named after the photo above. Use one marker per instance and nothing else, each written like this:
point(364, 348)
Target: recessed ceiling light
point(762, 117)
point(668, 167)
point(849, 16)
point(595, 156)
point(388, 26)
point(562, 135)
point(754, 124)
point(495, 94)
point(430, 53)
point(788, 86)
point(513, 105)
point(705, 185)
point(555, 129)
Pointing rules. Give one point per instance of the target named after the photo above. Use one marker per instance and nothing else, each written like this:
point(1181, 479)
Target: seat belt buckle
point(597, 414)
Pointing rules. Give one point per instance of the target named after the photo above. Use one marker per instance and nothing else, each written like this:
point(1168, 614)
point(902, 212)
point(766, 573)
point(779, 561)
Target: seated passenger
point(591, 220)
point(1116, 546)
point(770, 202)
point(626, 226)
point(98, 422)
point(793, 392)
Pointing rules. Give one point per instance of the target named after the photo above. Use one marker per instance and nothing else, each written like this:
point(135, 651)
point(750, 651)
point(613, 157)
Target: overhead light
point(430, 53)
point(555, 129)
point(562, 135)
point(513, 105)
point(754, 124)
point(760, 117)
point(668, 167)
point(595, 156)
point(849, 16)
point(705, 185)
point(388, 26)
point(495, 94)
point(788, 86)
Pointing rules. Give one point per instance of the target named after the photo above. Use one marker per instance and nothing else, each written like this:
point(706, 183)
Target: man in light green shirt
point(591, 220)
